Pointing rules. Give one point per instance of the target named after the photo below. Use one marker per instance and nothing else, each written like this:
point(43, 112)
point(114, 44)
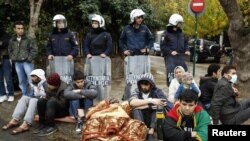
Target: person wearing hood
point(54, 105)
point(174, 46)
point(187, 83)
point(98, 41)
point(175, 83)
point(81, 94)
point(207, 85)
point(145, 100)
point(136, 38)
point(62, 42)
point(27, 105)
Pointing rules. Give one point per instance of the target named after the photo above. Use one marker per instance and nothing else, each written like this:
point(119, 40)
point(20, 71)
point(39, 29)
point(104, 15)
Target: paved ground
point(66, 130)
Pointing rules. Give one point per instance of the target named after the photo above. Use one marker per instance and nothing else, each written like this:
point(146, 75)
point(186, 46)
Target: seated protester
point(54, 105)
point(224, 105)
point(207, 85)
point(26, 106)
point(145, 101)
point(175, 83)
point(187, 121)
point(81, 94)
point(187, 83)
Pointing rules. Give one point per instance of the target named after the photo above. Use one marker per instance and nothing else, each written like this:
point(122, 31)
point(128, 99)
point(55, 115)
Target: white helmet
point(99, 19)
point(57, 18)
point(136, 13)
point(175, 19)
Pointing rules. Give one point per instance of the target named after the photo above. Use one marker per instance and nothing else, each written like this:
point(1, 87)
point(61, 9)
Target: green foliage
point(211, 23)
point(245, 8)
point(115, 12)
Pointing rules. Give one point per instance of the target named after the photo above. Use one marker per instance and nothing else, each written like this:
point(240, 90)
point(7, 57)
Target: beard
point(35, 82)
point(145, 91)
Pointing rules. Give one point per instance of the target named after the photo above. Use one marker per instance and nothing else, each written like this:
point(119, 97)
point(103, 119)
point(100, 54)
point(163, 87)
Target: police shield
point(98, 71)
point(62, 66)
point(135, 67)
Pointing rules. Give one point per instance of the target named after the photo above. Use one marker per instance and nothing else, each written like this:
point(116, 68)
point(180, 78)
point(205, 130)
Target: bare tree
point(35, 7)
point(240, 41)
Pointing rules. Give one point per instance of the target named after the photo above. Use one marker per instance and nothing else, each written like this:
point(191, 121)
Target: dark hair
point(144, 82)
point(78, 75)
point(213, 68)
point(227, 69)
point(18, 23)
point(189, 96)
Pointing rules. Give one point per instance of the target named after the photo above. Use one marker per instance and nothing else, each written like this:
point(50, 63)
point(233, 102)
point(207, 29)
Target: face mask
point(234, 78)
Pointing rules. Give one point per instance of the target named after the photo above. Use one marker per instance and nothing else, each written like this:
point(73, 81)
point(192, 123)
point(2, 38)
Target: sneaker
point(3, 98)
point(38, 129)
point(47, 131)
point(11, 99)
point(79, 126)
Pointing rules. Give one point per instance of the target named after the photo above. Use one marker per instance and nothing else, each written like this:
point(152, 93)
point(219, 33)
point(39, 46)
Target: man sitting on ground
point(145, 101)
point(54, 105)
point(26, 106)
point(81, 94)
point(187, 121)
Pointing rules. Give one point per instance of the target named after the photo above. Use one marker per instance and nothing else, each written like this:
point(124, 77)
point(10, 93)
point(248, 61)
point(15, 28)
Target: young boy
point(81, 94)
point(186, 121)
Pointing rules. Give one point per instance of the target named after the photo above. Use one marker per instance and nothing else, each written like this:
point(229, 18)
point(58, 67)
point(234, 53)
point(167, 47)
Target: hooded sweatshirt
point(38, 89)
point(154, 93)
point(174, 85)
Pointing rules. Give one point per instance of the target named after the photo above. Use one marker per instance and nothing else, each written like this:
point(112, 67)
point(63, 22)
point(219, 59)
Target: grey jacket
point(89, 91)
point(224, 104)
point(25, 50)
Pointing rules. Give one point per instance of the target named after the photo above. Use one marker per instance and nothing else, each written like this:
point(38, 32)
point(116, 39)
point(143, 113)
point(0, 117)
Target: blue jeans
point(79, 103)
point(6, 73)
point(170, 63)
point(23, 70)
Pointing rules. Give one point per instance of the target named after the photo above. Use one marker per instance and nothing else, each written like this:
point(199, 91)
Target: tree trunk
point(240, 44)
point(35, 8)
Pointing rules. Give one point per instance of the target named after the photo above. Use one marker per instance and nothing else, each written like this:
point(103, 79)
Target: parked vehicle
point(204, 50)
point(157, 50)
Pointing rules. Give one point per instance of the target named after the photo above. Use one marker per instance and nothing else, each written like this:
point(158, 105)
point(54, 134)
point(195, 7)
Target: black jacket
point(58, 95)
point(224, 104)
point(98, 42)
point(207, 85)
point(173, 41)
point(4, 42)
point(62, 43)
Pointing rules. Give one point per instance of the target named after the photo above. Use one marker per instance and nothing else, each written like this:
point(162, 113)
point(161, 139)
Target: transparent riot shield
point(98, 71)
point(63, 67)
point(135, 67)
